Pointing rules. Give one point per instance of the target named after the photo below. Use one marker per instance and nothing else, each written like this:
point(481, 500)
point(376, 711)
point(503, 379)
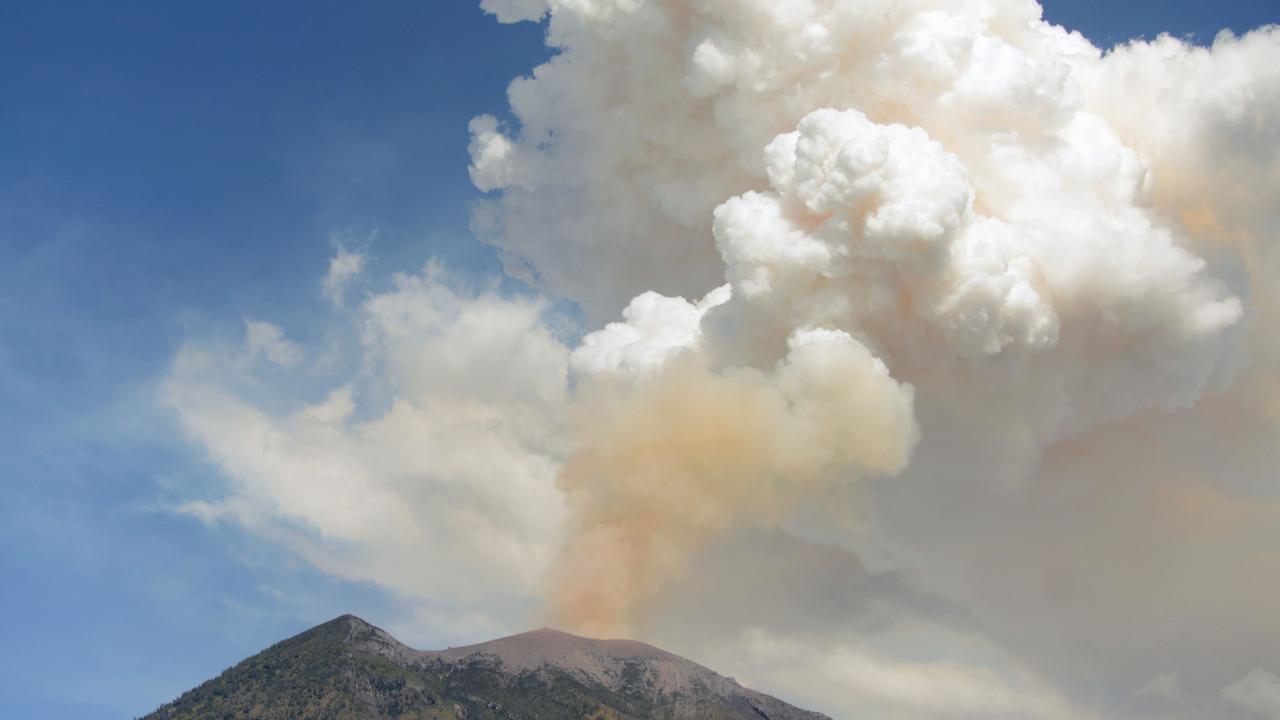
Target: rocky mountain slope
point(347, 669)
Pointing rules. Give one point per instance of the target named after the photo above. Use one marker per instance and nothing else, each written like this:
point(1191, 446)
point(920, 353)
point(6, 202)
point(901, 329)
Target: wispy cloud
point(440, 488)
point(265, 340)
point(345, 266)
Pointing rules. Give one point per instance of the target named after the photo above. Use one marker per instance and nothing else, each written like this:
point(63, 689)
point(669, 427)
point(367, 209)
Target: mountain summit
point(347, 669)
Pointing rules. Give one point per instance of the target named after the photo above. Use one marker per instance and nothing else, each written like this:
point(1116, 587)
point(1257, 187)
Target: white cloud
point(1258, 692)
point(435, 480)
point(511, 11)
point(344, 267)
point(262, 339)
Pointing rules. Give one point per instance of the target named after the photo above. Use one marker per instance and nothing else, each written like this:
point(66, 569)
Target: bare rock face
point(349, 669)
point(625, 667)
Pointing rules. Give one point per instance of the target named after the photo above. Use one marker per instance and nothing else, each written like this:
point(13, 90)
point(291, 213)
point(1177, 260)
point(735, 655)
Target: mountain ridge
point(349, 669)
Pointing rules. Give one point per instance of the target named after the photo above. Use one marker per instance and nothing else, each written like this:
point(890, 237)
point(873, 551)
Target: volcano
point(347, 669)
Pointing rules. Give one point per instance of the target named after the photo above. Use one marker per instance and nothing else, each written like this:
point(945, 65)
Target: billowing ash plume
point(948, 255)
point(670, 459)
point(935, 369)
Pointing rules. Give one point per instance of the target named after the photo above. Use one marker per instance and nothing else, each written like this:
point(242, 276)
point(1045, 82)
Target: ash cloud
point(1062, 260)
point(929, 309)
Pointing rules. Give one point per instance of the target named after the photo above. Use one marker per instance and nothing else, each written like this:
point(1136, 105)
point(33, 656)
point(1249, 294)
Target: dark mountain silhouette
point(347, 669)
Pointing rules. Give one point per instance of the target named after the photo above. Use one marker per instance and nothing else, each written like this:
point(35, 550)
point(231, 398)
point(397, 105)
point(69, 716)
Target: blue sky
point(166, 170)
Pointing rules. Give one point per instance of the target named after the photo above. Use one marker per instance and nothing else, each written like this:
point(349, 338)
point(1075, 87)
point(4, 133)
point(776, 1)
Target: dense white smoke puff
point(1069, 259)
point(654, 327)
point(871, 229)
point(653, 113)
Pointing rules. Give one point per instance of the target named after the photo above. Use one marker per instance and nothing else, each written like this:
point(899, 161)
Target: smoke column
point(942, 253)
